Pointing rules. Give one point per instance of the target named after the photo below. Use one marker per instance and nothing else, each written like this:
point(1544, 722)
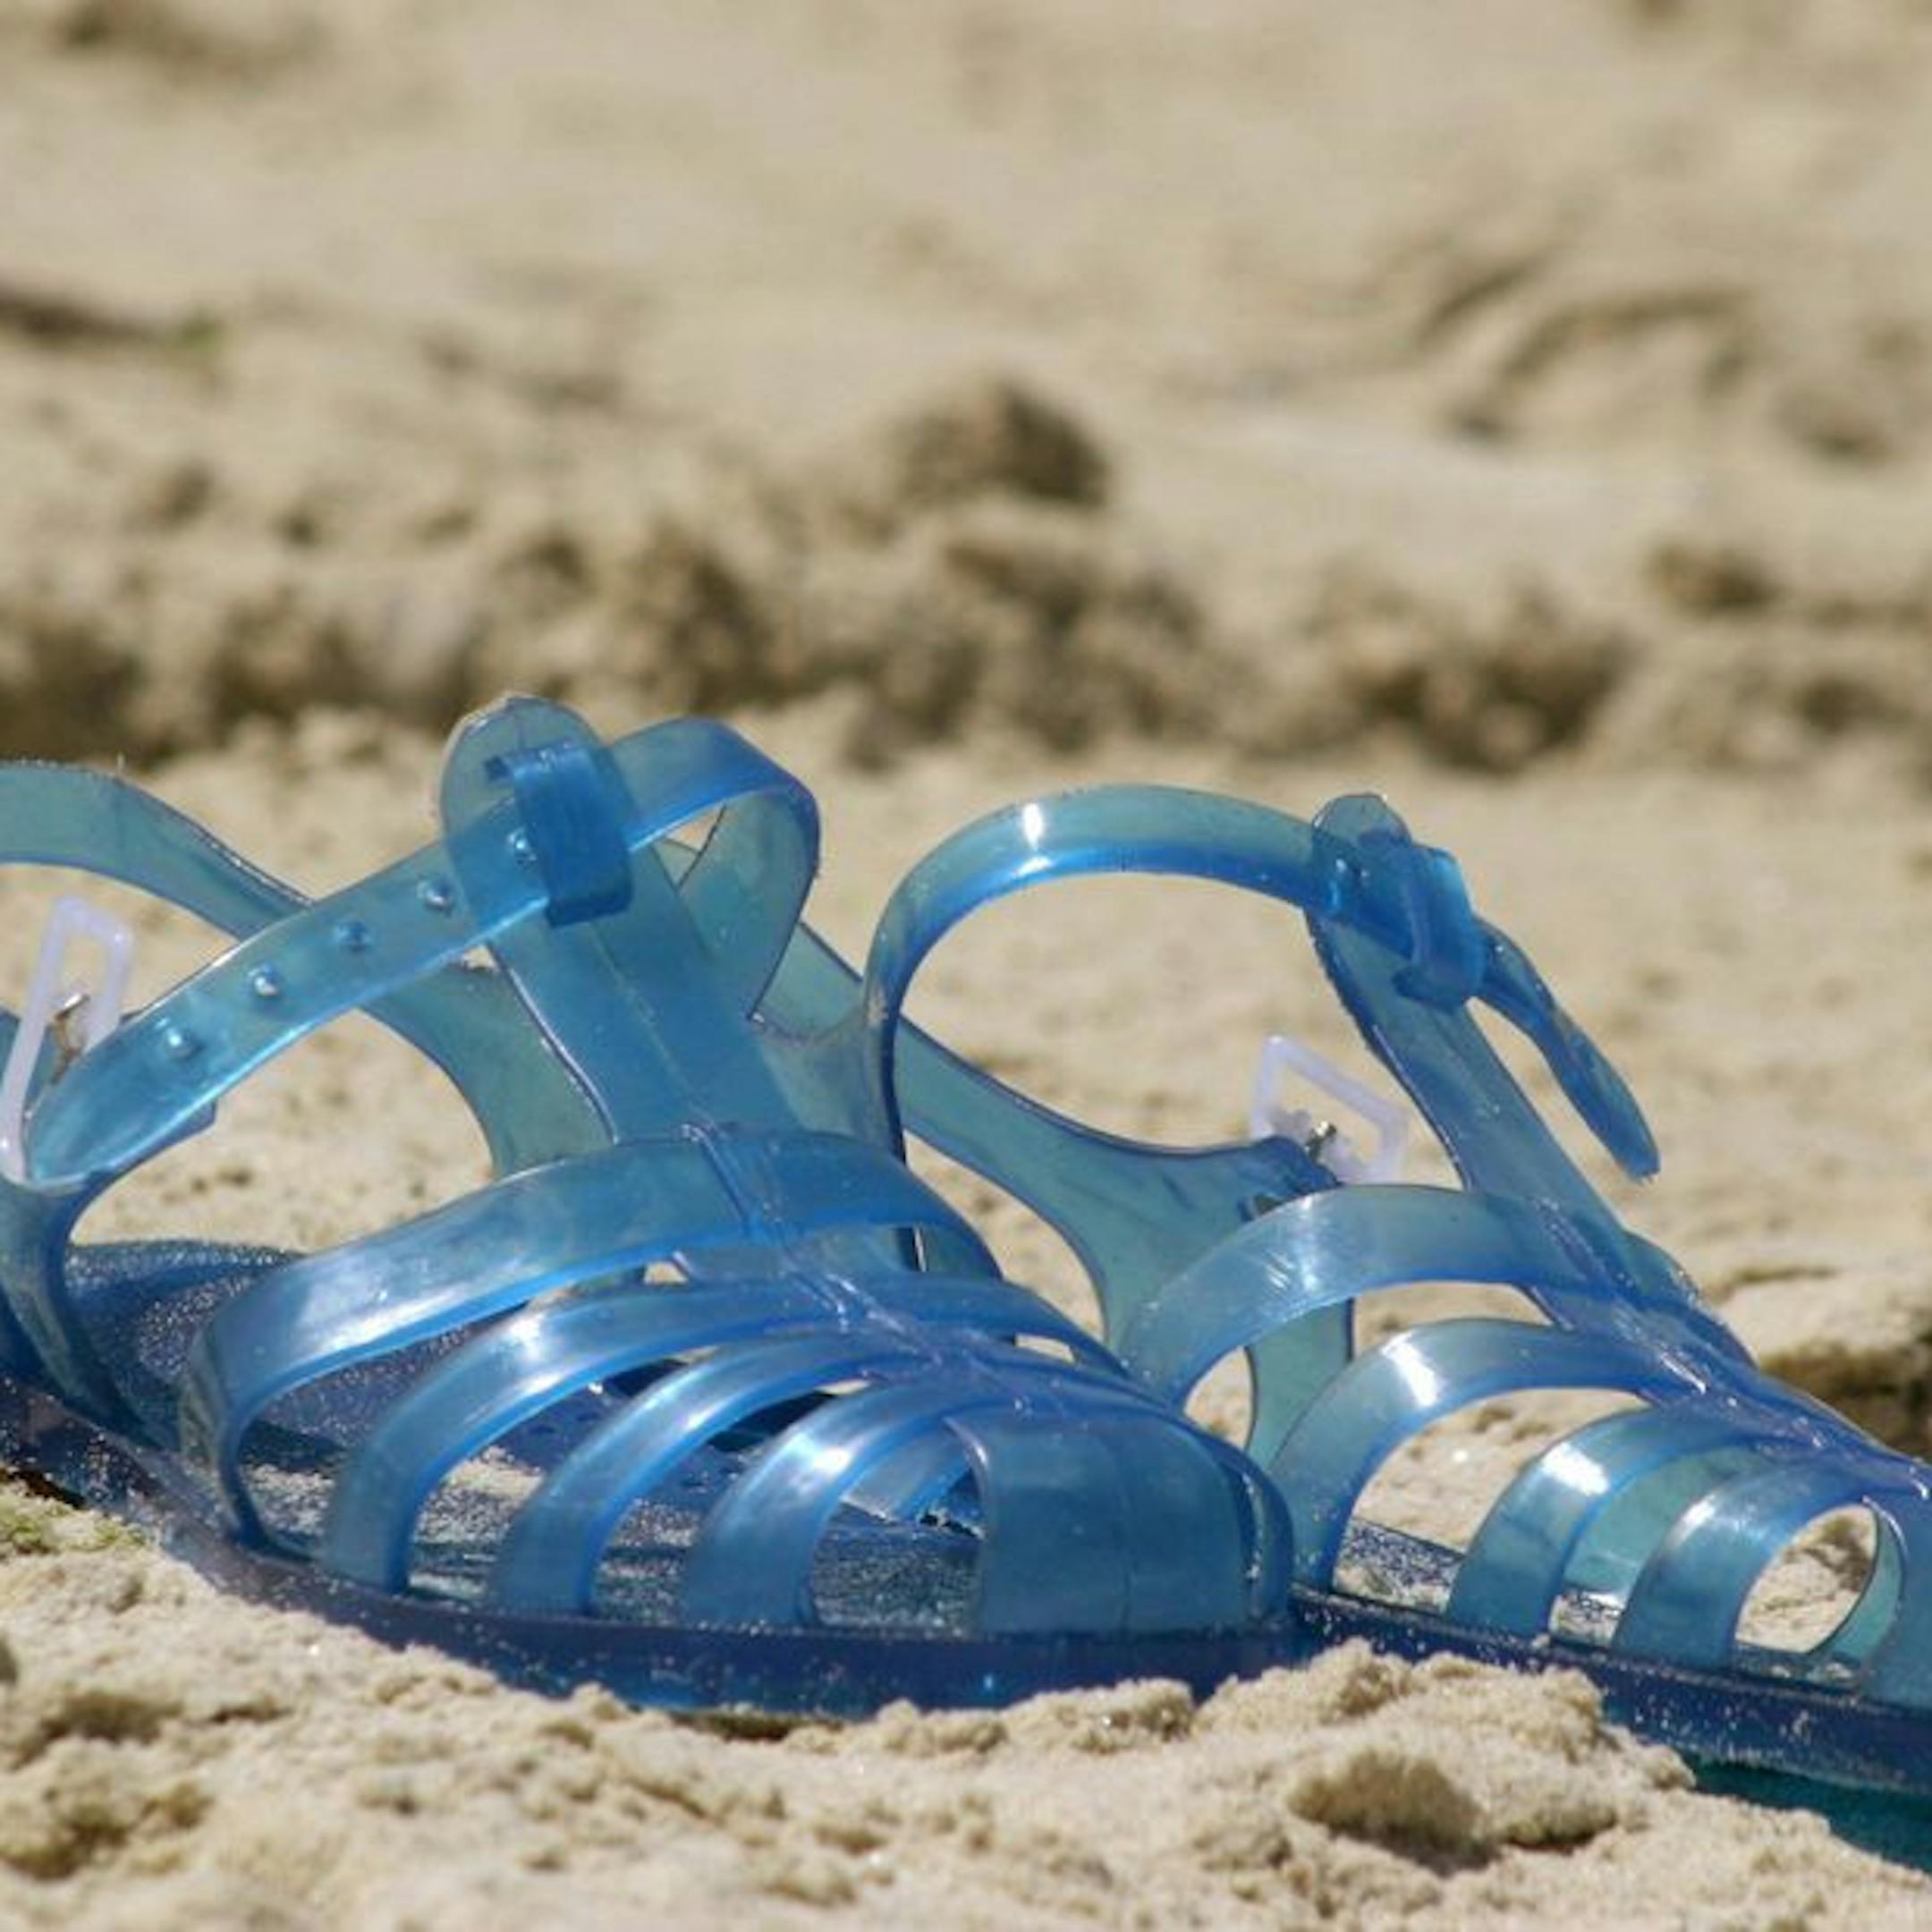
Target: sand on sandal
point(1524, 412)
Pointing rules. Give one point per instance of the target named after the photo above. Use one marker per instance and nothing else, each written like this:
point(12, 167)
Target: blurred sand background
point(1523, 409)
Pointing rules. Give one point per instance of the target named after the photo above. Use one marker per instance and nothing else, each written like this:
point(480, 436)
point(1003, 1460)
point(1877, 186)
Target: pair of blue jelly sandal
point(706, 1396)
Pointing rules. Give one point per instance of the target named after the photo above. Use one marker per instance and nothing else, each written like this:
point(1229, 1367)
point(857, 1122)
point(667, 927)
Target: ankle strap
point(1406, 901)
point(156, 1074)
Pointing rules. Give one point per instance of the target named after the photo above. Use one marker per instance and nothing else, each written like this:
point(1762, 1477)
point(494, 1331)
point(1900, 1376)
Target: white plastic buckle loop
point(1321, 1140)
point(80, 1016)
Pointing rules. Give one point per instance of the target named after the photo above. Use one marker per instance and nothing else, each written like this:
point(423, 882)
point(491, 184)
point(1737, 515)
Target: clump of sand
point(276, 1770)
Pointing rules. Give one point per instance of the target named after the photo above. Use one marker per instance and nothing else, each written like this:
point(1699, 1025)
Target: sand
point(1522, 410)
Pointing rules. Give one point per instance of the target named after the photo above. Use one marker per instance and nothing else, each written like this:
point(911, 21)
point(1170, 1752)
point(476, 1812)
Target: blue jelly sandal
point(836, 1458)
point(1628, 1547)
point(704, 1396)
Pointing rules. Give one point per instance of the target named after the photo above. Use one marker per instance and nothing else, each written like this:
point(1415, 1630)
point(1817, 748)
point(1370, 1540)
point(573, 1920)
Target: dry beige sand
point(1524, 410)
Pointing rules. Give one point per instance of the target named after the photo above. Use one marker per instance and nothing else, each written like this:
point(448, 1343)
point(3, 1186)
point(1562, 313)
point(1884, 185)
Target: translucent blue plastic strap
point(920, 1477)
point(513, 1371)
point(468, 1023)
point(471, 1024)
point(1687, 1602)
point(469, 1259)
point(472, 1398)
point(1526, 1552)
point(647, 1003)
point(549, 1558)
point(745, 888)
point(165, 1066)
point(752, 1562)
point(573, 818)
point(1445, 952)
point(1270, 1531)
point(1322, 1252)
point(1407, 900)
point(37, 1319)
point(793, 1189)
point(480, 1256)
point(1496, 1137)
point(1104, 1522)
point(1395, 1391)
point(985, 1305)
point(1403, 901)
point(1335, 1246)
point(1893, 1639)
point(1043, 1156)
point(1894, 1599)
point(1724, 1490)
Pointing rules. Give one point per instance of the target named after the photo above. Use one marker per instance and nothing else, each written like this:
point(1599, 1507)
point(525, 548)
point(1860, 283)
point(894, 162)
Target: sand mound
point(962, 569)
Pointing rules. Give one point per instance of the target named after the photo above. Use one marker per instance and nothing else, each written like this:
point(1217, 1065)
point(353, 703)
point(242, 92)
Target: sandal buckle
point(80, 1016)
point(1322, 1139)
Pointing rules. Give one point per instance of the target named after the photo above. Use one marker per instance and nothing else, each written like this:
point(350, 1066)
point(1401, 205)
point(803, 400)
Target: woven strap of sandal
point(1671, 1512)
point(1173, 1527)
